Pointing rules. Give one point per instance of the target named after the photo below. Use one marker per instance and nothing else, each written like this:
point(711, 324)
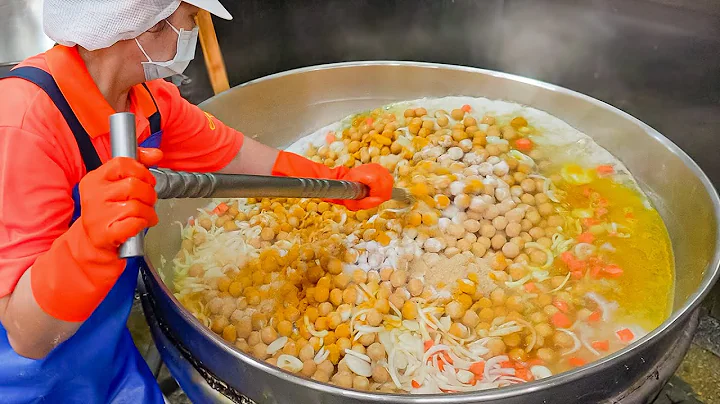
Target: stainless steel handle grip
point(123, 143)
point(173, 184)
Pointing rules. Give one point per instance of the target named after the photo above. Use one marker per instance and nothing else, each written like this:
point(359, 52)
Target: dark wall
point(657, 59)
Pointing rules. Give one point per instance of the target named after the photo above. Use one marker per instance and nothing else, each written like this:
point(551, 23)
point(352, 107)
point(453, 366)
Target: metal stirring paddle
point(174, 184)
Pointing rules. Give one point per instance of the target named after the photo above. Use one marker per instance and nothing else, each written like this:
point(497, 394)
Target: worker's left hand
point(376, 177)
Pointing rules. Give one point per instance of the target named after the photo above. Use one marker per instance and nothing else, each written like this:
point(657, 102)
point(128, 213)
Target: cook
point(66, 206)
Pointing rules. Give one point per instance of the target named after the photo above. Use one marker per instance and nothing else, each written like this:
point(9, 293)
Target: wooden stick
point(211, 51)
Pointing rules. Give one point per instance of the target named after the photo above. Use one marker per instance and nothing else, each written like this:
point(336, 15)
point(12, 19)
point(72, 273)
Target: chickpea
point(409, 310)
point(360, 383)
point(496, 346)
point(555, 221)
point(376, 351)
point(259, 351)
point(500, 222)
point(455, 310)
point(350, 296)
point(399, 278)
point(538, 257)
point(242, 345)
point(562, 340)
point(380, 374)
point(546, 354)
point(486, 314)
point(336, 297)
point(491, 212)
point(309, 368)
point(321, 377)
point(478, 249)
point(397, 300)
point(367, 339)
point(528, 185)
point(526, 224)
point(511, 250)
point(545, 209)
point(518, 354)
point(306, 353)
point(498, 241)
point(267, 234)
point(470, 319)
point(512, 340)
point(488, 230)
point(268, 335)
point(536, 233)
point(415, 287)
point(342, 379)
point(514, 303)
point(359, 276)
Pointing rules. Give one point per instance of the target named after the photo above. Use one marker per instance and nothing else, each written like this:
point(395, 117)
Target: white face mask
point(187, 42)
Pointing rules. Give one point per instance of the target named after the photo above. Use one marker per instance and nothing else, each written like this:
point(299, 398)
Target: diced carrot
point(524, 144)
point(477, 368)
point(601, 211)
point(474, 381)
point(613, 271)
point(561, 320)
point(441, 365)
point(576, 275)
point(561, 305)
point(567, 257)
point(415, 384)
point(221, 208)
point(605, 169)
point(603, 203)
point(595, 316)
point(466, 108)
point(535, 361)
point(595, 271)
point(575, 361)
point(530, 287)
point(447, 357)
point(577, 265)
point(523, 374)
point(586, 237)
point(506, 364)
point(625, 335)
point(330, 137)
point(629, 215)
point(428, 344)
point(587, 222)
point(603, 345)
point(369, 121)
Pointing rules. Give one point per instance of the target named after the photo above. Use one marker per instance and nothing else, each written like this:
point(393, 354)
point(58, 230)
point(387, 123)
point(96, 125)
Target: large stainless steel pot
point(279, 109)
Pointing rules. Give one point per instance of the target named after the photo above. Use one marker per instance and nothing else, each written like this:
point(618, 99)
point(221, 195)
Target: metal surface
point(123, 143)
point(278, 106)
point(21, 31)
point(175, 184)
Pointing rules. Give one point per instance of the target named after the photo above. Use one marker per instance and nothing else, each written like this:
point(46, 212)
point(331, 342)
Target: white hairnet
point(98, 24)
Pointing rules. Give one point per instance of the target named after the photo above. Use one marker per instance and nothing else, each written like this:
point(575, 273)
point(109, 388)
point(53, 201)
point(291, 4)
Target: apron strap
point(154, 119)
point(47, 83)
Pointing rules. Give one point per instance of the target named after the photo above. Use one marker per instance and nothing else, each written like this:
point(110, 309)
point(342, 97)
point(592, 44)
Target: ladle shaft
point(175, 184)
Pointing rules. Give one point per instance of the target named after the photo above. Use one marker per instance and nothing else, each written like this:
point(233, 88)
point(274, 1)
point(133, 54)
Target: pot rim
point(711, 272)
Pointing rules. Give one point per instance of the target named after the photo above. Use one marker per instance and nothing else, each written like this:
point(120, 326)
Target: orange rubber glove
point(71, 279)
point(376, 177)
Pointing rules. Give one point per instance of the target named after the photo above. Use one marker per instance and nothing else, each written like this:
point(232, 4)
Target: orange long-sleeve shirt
point(40, 162)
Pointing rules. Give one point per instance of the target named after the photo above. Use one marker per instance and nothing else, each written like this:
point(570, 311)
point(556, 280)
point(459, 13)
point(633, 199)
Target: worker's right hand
point(118, 200)
point(70, 280)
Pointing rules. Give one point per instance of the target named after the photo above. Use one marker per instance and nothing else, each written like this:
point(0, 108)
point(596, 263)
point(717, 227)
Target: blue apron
point(99, 364)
